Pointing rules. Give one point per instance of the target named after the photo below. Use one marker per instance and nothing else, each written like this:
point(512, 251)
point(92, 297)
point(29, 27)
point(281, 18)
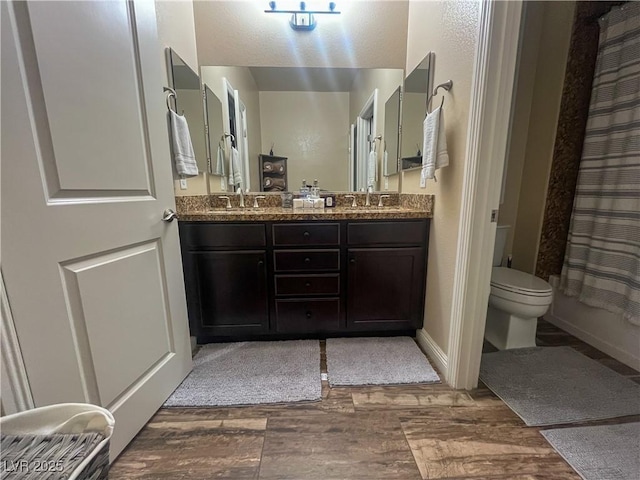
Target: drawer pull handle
point(308, 314)
point(308, 284)
point(306, 234)
point(307, 260)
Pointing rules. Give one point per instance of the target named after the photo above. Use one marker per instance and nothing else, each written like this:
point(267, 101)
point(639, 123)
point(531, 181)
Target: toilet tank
point(501, 241)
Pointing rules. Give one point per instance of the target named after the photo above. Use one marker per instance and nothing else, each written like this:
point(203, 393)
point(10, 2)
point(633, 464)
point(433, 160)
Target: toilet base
point(505, 331)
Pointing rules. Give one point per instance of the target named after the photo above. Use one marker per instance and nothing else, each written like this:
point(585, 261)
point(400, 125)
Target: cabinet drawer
point(306, 260)
point(387, 233)
point(308, 315)
point(301, 234)
point(232, 235)
point(328, 284)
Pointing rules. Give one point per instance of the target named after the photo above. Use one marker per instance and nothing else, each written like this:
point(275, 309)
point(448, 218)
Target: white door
point(93, 275)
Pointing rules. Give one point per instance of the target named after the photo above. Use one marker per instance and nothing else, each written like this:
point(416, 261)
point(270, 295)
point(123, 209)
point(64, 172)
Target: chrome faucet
point(382, 197)
point(241, 193)
point(354, 204)
point(367, 200)
point(255, 200)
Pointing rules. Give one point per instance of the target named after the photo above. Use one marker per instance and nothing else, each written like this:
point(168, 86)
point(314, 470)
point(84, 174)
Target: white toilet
point(516, 301)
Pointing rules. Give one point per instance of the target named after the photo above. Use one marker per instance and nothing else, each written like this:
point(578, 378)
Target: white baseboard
point(604, 346)
point(435, 353)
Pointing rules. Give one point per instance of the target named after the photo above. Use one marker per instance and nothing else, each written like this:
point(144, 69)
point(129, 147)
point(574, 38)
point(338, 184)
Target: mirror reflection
point(188, 102)
point(417, 86)
point(391, 136)
point(214, 133)
point(329, 123)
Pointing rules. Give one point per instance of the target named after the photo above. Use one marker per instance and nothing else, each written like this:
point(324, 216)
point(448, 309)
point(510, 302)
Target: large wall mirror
point(325, 121)
point(188, 102)
point(417, 86)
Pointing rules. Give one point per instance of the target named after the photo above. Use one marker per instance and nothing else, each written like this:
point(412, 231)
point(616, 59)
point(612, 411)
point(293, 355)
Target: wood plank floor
point(356, 433)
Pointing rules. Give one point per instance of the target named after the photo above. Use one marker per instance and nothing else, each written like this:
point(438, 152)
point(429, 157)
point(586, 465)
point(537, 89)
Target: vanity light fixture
point(303, 19)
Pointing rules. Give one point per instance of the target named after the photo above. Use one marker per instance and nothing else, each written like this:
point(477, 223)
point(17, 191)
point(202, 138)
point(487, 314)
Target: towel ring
point(377, 137)
point(448, 85)
point(225, 135)
point(172, 93)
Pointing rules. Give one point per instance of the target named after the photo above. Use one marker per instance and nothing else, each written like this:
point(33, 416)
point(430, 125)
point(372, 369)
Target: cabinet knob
point(308, 284)
point(306, 234)
point(307, 260)
point(308, 314)
point(352, 260)
point(260, 263)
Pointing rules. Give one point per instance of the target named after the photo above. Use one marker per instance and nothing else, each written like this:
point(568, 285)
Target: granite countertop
point(210, 208)
point(280, 214)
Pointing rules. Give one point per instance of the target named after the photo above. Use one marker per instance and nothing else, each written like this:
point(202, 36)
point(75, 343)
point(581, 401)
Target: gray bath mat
point(604, 452)
point(377, 361)
point(250, 373)
point(555, 385)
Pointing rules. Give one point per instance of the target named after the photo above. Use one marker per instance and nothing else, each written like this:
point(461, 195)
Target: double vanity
point(275, 272)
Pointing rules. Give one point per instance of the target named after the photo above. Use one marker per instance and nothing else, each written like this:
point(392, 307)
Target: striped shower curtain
point(602, 259)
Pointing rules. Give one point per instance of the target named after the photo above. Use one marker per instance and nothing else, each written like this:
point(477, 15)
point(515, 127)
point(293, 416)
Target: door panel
point(96, 159)
point(93, 276)
point(130, 278)
point(232, 288)
point(384, 287)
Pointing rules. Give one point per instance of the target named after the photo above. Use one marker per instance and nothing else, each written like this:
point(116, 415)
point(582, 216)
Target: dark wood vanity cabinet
point(225, 271)
point(386, 272)
point(255, 279)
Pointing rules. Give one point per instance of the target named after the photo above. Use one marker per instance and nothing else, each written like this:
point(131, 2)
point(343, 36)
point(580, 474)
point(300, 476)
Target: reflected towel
point(273, 183)
point(183, 155)
point(385, 163)
point(235, 169)
point(434, 147)
point(220, 170)
point(372, 169)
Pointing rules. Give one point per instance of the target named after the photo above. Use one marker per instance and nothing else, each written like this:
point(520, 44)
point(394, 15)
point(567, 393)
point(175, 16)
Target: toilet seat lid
point(519, 282)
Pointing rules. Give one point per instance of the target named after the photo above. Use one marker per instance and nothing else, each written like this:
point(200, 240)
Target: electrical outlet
point(183, 184)
point(386, 183)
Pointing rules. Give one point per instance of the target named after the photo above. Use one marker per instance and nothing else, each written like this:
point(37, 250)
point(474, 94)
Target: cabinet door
point(385, 289)
point(230, 290)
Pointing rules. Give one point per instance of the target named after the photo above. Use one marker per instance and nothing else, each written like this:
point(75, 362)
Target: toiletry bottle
point(304, 190)
point(315, 190)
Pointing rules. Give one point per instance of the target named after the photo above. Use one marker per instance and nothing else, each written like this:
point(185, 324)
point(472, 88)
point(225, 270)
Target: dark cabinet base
point(280, 280)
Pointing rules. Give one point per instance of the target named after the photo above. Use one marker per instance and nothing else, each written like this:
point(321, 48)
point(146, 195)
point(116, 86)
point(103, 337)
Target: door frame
point(365, 122)
point(16, 392)
point(489, 120)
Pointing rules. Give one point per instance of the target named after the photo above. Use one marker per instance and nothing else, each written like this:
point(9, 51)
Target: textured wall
point(572, 123)
point(450, 30)
point(541, 131)
point(176, 30)
point(367, 34)
point(311, 129)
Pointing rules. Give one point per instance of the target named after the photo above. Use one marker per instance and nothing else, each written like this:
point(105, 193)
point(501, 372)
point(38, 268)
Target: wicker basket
point(65, 441)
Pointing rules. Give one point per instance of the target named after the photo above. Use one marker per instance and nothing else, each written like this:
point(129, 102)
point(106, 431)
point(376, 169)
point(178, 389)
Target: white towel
point(434, 147)
point(372, 169)
point(385, 163)
point(220, 170)
point(183, 155)
point(235, 169)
